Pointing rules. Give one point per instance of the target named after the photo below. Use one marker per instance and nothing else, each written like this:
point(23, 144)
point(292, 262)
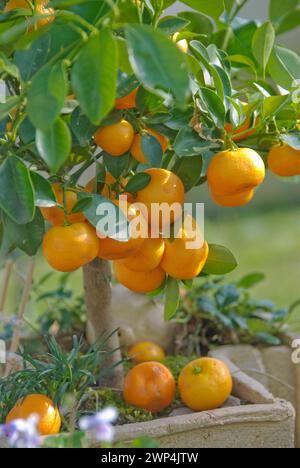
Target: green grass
point(264, 242)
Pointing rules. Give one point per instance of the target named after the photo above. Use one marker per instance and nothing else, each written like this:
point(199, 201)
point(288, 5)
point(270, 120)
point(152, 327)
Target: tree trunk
point(97, 285)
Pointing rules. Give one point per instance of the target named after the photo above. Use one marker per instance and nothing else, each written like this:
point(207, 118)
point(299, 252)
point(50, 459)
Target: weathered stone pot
point(272, 367)
point(262, 422)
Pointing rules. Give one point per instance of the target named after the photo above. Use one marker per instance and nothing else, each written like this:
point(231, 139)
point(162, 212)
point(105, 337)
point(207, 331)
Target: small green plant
point(66, 377)
point(215, 313)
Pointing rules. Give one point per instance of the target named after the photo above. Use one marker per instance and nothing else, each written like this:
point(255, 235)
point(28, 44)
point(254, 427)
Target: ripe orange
point(115, 139)
point(112, 249)
point(181, 259)
point(165, 188)
point(241, 133)
point(49, 417)
point(40, 9)
point(146, 351)
point(233, 175)
point(182, 44)
point(205, 384)
point(67, 248)
point(139, 282)
point(147, 257)
point(284, 161)
point(137, 150)
point(55, 215)
point(150, 386)
point(127, 102)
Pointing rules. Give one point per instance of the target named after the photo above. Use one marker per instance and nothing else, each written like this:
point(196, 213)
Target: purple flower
point(100, 425)
point(22, 433)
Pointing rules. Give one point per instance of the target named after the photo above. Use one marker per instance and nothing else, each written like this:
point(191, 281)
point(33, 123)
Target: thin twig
point(6, 278)
point(17, 330)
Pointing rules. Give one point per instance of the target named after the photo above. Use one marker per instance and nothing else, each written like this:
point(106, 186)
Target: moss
point(100, 398)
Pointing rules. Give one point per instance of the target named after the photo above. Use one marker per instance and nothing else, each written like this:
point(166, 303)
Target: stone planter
point(261, 422)
point(273, 368)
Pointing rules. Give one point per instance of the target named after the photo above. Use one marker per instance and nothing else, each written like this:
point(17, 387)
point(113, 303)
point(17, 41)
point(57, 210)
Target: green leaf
point(213, 8)
point(26, 237)
point(16, 194)
point(172, 24)
point(54, 145)
point(189, 170)
point(116, 166)
point(244, 60)
point(124, 63)
point(44, 195)
point(214, 106)
point(273, 104)
point(82, 205)
point(46, 95)
point(94, 76)
point(126, 84)
point(138, 182)
point(7, 66)
point(157, 62)
point(291, 139)
point(189, 143)
point(197, 22)
point(94, 214)
point(33, 57)
point(172, 298)
point(284, 66)
point(251, 280)
point(263, 43)
point(82, 128)
point(279, 10)
point(220, 261)
point(152, 150)
point(10, 104)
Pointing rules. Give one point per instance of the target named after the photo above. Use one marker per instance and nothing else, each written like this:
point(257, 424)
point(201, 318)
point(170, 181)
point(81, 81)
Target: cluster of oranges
point(142, 262)
point(204, 384)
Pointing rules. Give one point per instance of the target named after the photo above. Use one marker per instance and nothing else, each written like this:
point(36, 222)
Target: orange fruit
point(182, 44)
point(284, 161)
point(181, 259)
point(205, 384)
point(137, 150)
point(147, 257)
point(48, 413)
point(55, 215)
point(232, 201)
point(112, 249)
point(127, 102)
point(39, 9)
point(67, 248)
point(150, 386)
point(115, 139)
point(233, 175)
point(164, 188)
point(241, 133)
point(146, 351)
point(139, 282)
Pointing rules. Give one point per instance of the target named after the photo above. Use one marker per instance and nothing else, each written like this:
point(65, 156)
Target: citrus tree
point(152, 105)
